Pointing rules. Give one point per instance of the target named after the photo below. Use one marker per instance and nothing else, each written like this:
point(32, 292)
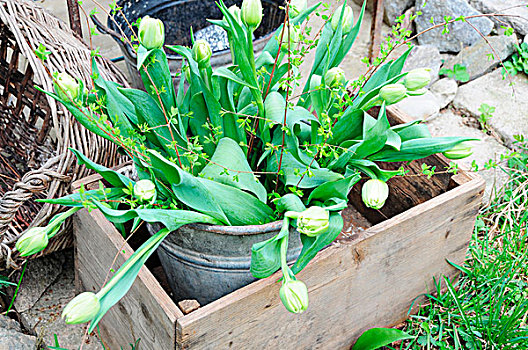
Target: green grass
point(488, 307)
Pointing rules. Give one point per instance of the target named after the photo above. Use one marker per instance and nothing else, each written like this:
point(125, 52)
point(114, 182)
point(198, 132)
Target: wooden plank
point(375, 29)
point(367, 282)
point(146, 312)
point(407, 191)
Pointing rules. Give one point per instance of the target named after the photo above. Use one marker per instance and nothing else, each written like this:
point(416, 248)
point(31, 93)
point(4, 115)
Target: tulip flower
point(251, 13)
point(393, 93)
point(348, 19)
point(311, 222)
point(145, 190)
point(83, 308)
point(335, 77)
point(32, 241)
point(67, 87)
point(201, 52)
point(417, 79)
point(297, 7)
point(235, 11)
point(151, 33)
point(462, 150)
point(374, 193)
point(294, 296)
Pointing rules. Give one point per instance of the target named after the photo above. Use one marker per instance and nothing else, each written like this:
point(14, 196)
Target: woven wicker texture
point(35, 132)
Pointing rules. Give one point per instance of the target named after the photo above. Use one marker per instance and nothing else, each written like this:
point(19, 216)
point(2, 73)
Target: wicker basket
point(35, 132)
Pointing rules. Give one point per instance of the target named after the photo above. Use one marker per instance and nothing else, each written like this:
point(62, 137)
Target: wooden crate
point(367, 278)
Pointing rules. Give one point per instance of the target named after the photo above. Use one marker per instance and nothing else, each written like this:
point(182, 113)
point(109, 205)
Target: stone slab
point(39, 275)
point(44, 316)
point(445, 91)
point(448, 123)
point(421, 107)
point(13, 340)
point(12, 337)
point(477, 59)
point(516, 8)
point(510, 104)
point(460, 34)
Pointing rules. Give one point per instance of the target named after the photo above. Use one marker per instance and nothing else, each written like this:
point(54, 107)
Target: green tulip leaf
point(226, 73)
point(150, 112)
point(157, 80)
point(266, 255)
point(312, 245)
point(418, 149)
point(289, 202)
point(414, 131)
point(77, 199)
point(376, 338)
point(187, 188)
point(371, 169)
point(230, 167)
point(123, 279)
point(172, 219)
point(113, 177)
point(119, 109)
point(334, 189)
point(348, 126)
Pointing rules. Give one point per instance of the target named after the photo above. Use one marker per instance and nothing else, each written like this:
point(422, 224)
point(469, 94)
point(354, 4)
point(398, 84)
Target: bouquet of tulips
point(244, 144)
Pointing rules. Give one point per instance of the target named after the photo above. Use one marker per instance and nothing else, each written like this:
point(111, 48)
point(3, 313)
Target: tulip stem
point(251, 53)
point(59, 219)
point(285, 230)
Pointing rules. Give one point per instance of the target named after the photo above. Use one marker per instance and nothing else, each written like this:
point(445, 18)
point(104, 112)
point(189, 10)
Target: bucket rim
point(248, 230)
point(172, 55)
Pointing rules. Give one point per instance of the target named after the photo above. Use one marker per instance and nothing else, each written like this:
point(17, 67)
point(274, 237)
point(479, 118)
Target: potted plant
point(233, 162)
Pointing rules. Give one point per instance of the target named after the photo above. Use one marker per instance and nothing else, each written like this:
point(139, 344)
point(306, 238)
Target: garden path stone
point(421, 107)
point(445, 91)
point(44, 316)
point(395, 8)
point(515, 7)
point(451, 124)
point(509, 118)
point(424, 56)
point(12, 338)
point(460, 34)
point(476, 57)
point(39, 275)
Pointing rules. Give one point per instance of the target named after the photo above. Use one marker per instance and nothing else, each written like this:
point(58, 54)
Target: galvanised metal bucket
point(179, 16)
point(206, 262)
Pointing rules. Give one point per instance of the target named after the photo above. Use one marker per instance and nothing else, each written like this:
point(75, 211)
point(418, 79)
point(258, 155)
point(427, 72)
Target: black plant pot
point(179, 16)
